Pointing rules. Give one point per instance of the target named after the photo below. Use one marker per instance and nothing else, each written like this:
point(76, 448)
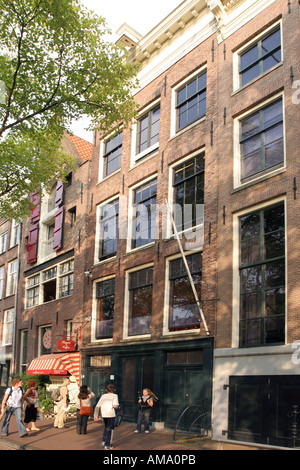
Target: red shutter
point(32, 244)
point(59, 194)
point(35, 211)
point(58, 229)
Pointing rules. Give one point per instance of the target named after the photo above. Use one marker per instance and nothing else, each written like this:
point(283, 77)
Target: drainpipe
point(16, 300)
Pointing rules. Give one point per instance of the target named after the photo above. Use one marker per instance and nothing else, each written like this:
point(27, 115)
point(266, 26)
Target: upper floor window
point(15, 231)
point(140, 301)
point(8, 326)
point(105, 295)
point(107, 229)
point(183, 310)
point(144, 216)
point(12, 278)
point(3, 242)
point(1, 281)
point(261, 139)
point(55, 282)
point(112, 154)
point(148, 130)
point(188, 192)
point(262, 276)
point(191, 101)
point(261, 55)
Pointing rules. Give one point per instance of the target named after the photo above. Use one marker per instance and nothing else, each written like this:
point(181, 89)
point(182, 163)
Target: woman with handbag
point(84, 409)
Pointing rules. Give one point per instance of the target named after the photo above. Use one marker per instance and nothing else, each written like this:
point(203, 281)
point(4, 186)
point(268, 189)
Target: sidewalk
point(50, 438)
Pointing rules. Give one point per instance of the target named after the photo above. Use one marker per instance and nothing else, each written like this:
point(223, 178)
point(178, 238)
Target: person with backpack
point(62, 404)
point(13, 403)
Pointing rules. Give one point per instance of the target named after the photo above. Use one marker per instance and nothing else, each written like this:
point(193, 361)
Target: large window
point(261, 140)
point(112, 154)
point(183, 309)
point(140, 302)
point(188, 191)
point(191, 101)
point(262, 277)
point(8, 326)
point(55, 282)
point(148, 130)
point(260, 57)
point(144, 214)
point(105, 295)
point(12, 278)
point(108, 229)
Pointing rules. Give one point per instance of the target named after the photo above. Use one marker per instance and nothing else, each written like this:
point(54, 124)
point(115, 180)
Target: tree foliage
point(55, 66)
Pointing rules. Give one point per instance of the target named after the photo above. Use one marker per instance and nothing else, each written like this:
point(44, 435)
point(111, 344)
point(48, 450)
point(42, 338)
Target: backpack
point(119, 416)
point(55, 394)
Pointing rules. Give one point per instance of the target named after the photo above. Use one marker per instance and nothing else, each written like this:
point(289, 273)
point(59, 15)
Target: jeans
point(144, 415)
point(109, 424)
point(81, 423)
point(18, 414)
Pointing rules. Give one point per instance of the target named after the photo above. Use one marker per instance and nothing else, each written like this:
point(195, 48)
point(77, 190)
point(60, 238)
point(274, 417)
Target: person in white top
point(107, 405)
point(14, 399)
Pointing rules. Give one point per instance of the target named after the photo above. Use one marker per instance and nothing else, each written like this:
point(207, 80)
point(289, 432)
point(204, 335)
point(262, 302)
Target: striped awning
point(56, 364)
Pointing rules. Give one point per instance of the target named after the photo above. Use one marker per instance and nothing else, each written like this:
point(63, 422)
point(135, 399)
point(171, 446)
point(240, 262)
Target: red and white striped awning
point(56, 364)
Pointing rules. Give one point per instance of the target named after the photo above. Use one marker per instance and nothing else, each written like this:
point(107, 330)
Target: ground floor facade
point(179, 373)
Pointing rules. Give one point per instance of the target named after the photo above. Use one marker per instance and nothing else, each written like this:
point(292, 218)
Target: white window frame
point(135, 157)
point(3, 242)
point(241, 50)
point(194, 231)
point(126, 303)
point(2, 273)
point(8, 326)
point(131, 215)
point(15, 233)
point(98, 228)
point(235, 266)
point(11, 286)
point(103, 142)
point(166, 309)
point(42, 281)
point(237, 182)
point(173, 131)
point(94, 339)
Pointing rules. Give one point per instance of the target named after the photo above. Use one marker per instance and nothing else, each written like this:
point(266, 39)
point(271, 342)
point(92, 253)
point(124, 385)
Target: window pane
point(249, 57)
point(251, 164)
point(140, 311)
point(250, 126)
point(250, 74)
point(272, 60)
point(272, 114)
point(271, 42)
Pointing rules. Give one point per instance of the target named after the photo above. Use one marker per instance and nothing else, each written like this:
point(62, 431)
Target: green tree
point(55, 66)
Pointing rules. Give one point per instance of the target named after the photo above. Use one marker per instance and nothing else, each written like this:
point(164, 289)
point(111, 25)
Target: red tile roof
point(84, 148)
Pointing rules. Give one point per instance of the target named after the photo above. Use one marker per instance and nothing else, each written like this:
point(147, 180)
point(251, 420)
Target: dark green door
point(260, 409)
point(137, 373)
point(97, 379)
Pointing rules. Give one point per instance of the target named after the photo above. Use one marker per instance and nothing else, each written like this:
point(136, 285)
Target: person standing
point(84, 400)
point(107, 405)
point(31, 409)
point(14, 398)
point(146, 403)
point(62, 405)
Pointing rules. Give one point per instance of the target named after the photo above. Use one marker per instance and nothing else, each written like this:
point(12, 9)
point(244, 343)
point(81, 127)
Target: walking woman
point(83, 404)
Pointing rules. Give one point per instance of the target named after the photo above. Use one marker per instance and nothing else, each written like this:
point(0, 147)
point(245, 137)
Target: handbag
point(85, 410)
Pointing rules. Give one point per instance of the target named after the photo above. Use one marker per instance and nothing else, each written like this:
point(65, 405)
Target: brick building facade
point(216, 139)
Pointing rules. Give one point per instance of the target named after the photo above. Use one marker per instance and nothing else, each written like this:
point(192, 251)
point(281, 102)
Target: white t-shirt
point(15, 397)
point(107, 403)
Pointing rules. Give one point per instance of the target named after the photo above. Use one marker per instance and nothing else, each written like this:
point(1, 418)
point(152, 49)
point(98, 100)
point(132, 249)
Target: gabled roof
point(84, 148)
